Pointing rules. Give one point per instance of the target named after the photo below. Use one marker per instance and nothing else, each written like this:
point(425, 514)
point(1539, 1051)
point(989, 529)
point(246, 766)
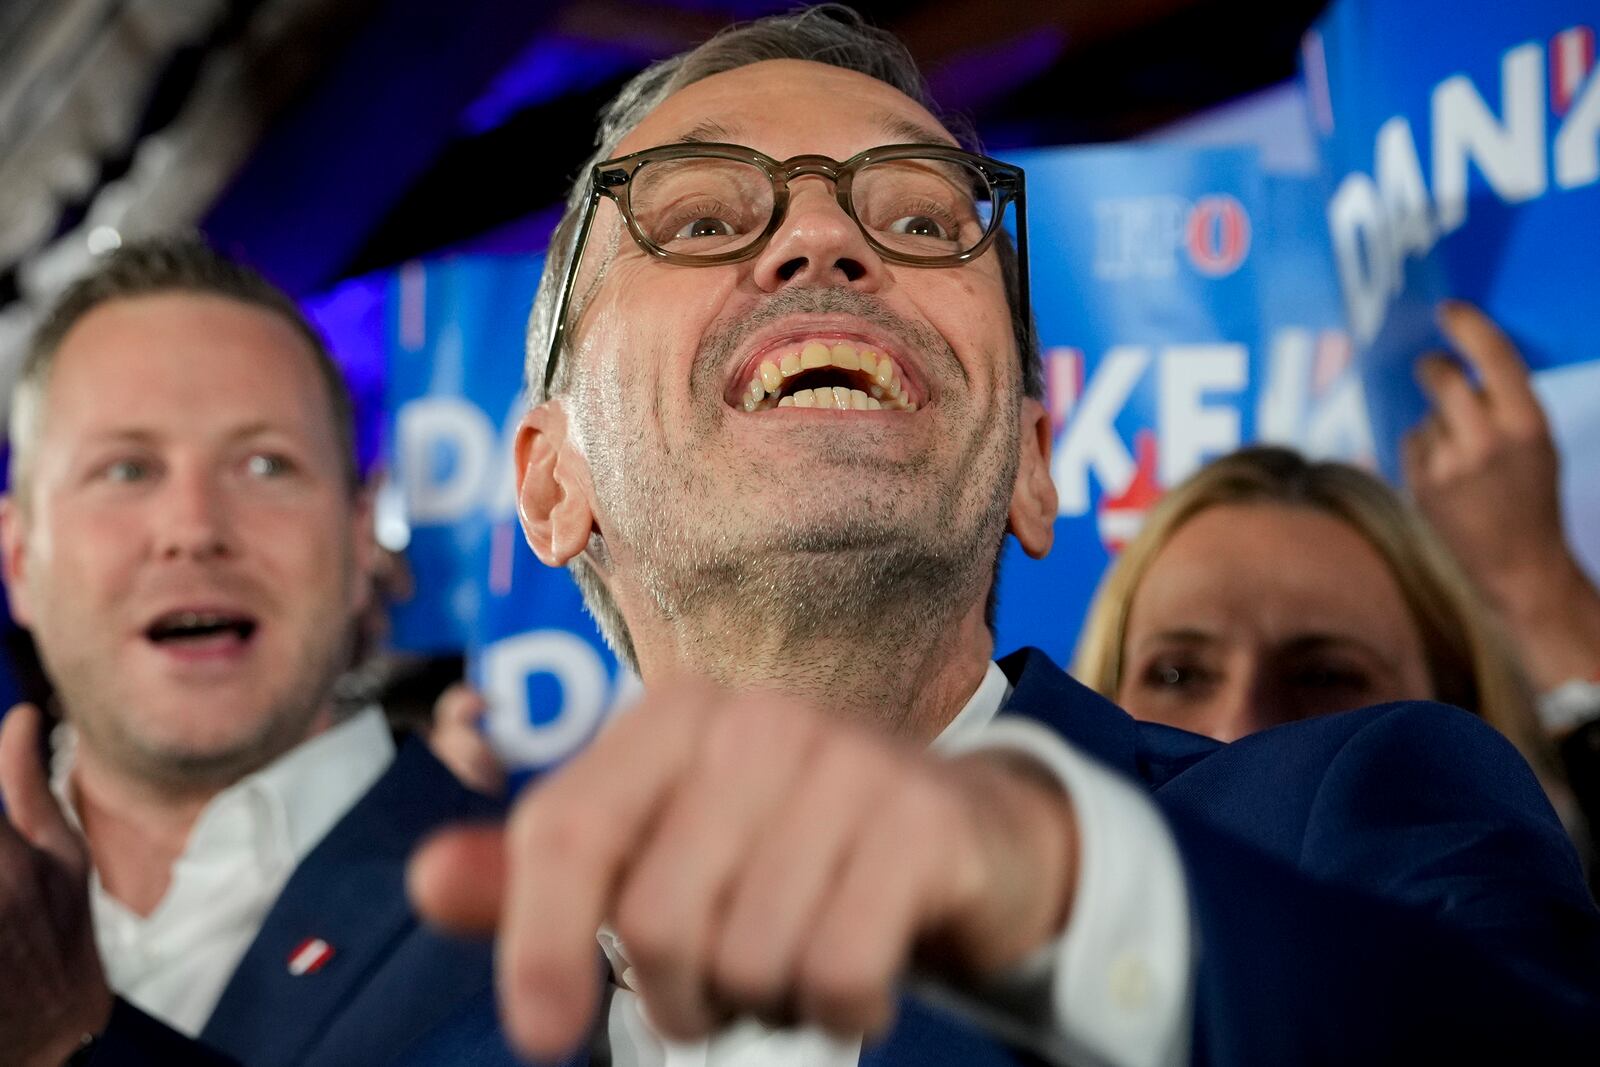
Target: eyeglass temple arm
point(559, 332)
point(1024, 299)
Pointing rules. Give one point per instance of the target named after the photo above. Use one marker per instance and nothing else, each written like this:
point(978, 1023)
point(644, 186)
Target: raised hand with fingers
point(458, 740)
point(754, 857)
point(54, 992)
point(1484, 470)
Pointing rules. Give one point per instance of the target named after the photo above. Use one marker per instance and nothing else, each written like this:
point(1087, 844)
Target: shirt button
point(1130, 982)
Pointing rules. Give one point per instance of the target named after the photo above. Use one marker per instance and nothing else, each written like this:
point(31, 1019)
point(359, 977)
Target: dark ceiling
point(485, 110)
point(402, 127)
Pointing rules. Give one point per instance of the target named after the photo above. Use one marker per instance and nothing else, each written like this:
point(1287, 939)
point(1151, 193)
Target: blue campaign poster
point(455, 400)
point(455, 356)
point(1186, 306)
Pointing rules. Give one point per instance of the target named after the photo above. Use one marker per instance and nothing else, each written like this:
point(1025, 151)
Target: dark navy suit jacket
point(1380, 886)
point(389, 980)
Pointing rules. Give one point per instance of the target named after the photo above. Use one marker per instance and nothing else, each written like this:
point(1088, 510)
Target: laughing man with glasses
point(785, 410)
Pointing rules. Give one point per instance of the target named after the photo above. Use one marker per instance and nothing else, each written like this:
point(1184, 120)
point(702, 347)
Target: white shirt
point(1119, 982)
point(175, 962)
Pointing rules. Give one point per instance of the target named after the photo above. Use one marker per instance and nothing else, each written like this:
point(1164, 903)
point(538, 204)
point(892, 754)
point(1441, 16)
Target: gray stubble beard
point(860, 574)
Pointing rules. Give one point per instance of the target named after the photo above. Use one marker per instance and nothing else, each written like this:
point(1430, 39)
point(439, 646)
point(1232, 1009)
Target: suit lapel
point(349, 893)
point(1043, 692)
point(1151, 753)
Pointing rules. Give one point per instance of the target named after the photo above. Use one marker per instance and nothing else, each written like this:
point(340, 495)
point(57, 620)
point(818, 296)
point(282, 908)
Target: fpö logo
point(1145, 237)
point(1378, 220)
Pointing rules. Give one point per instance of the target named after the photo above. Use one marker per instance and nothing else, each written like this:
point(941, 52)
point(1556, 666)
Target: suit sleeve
point(1434, 912)
point(134, 1039)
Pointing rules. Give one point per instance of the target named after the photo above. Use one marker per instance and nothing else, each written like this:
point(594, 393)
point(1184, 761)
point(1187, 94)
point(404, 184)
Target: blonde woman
point(1269, 588)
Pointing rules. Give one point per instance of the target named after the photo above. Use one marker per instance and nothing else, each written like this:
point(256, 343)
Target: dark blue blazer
point(1380, 886)
point(1387, 885)
point(389, 980)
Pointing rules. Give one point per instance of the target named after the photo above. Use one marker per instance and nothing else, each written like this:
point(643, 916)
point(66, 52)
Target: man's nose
point(193, 520)
point(817, 244)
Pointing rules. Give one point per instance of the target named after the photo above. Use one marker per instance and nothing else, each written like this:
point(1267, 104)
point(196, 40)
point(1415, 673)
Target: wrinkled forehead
point(789, 107)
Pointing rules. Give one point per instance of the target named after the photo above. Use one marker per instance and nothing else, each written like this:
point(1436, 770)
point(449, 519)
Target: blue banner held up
point(1465, 160)
point(455, 401)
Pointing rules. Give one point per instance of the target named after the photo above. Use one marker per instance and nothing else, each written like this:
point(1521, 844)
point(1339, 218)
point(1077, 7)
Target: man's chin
point(179, 754)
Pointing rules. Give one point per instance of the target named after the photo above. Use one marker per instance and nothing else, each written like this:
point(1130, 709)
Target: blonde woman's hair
point(1469, 660)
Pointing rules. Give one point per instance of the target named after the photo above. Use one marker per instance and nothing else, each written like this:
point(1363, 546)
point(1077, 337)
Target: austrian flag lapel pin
point(310, 957)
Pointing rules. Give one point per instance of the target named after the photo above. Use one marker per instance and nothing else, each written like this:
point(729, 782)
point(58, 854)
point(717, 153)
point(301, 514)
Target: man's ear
point(1033, 498)
point(552, 486)
point(13, 556)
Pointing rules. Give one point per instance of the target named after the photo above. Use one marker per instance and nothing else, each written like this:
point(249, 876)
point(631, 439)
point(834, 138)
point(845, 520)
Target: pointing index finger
point(570, 841)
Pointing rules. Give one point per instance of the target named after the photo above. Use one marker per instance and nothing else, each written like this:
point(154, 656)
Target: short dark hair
point(183, 264)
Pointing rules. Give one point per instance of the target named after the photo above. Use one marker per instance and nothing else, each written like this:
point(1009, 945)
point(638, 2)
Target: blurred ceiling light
point(103, 239)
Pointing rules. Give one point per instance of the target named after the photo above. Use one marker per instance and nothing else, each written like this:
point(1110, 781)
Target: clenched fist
point(755, 857)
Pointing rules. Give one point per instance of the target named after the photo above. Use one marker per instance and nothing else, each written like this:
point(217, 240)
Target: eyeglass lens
point(712, 206)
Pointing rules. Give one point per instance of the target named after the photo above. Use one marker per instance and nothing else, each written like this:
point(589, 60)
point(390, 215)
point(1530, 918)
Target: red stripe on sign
point(312, 955)
point(1063, 383)
point(413, 306)
point(502, 556)
point(1571, 63)
point(1315, 62)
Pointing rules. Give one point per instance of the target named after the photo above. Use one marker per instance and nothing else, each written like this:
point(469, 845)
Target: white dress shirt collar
point(175, 962)
point(978, 712)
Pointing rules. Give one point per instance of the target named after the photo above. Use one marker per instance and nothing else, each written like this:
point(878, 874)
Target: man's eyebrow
point(260, 428)
point(133, 433)
point(903, 130)
point(138, 435)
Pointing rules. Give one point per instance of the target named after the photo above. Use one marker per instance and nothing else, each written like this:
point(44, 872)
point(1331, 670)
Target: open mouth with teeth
point(838, 376)
point(190, 629)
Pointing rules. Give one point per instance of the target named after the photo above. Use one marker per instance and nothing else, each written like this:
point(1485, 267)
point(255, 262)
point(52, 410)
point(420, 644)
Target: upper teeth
point(887, 389)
